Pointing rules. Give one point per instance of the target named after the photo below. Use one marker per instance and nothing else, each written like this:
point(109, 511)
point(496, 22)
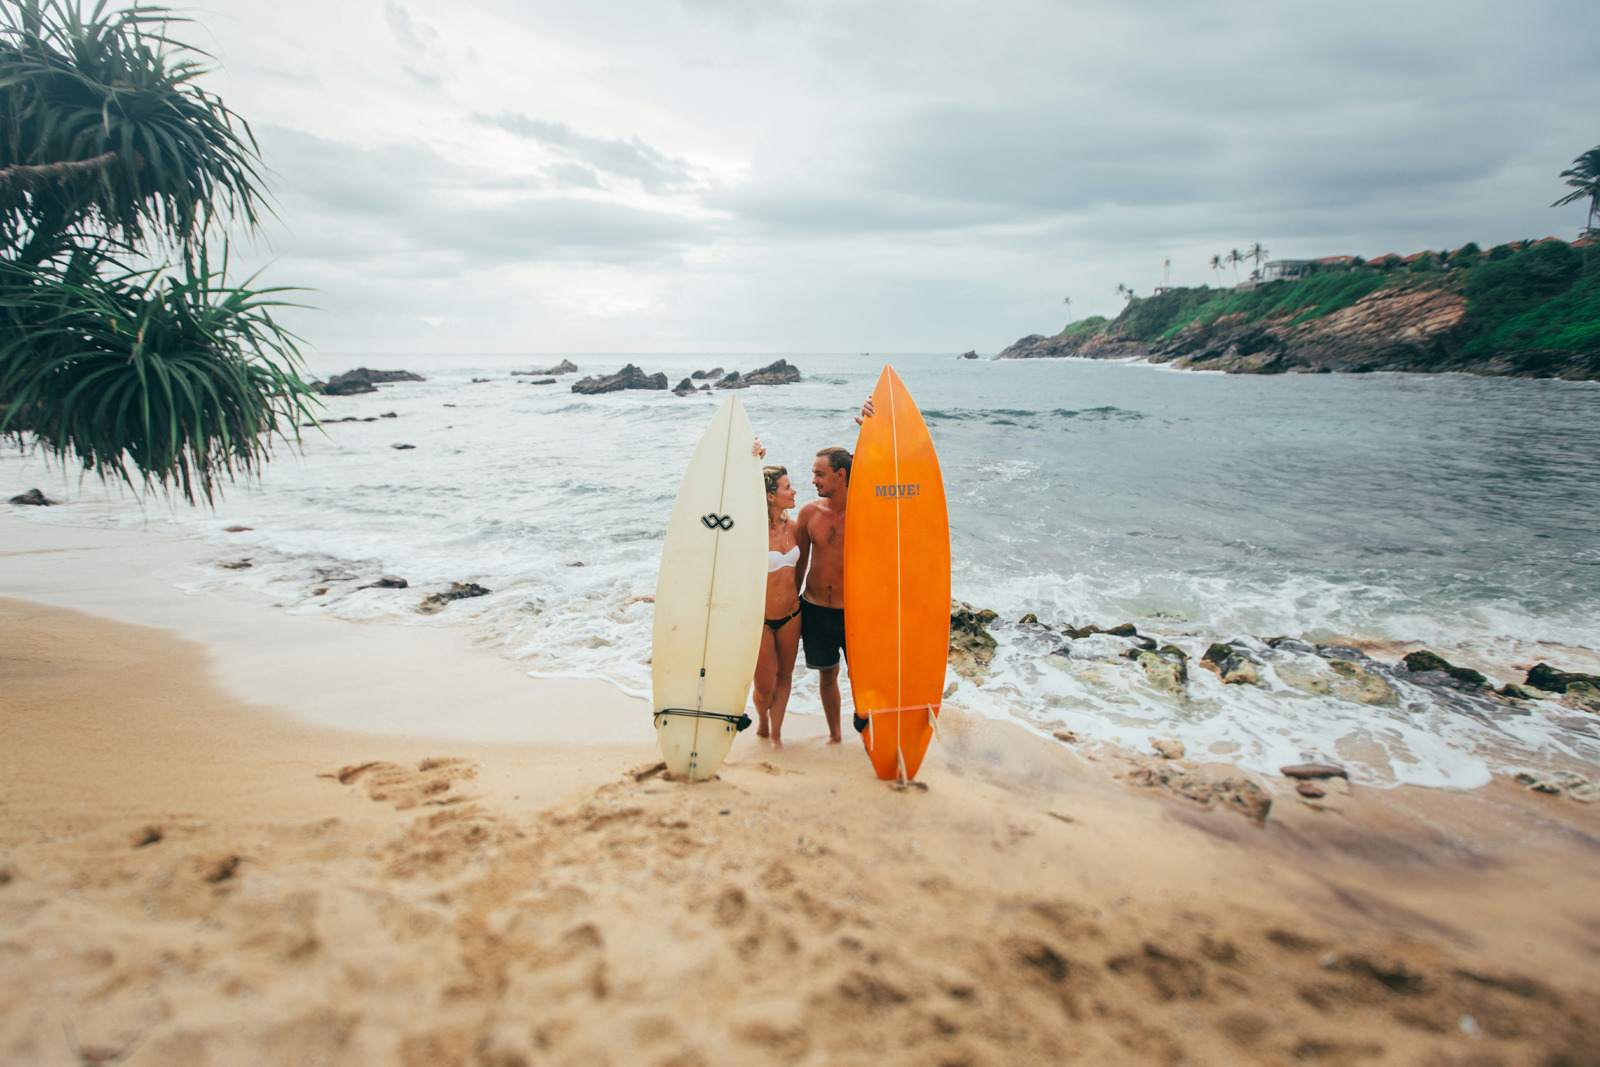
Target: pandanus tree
point(1584, 178)
point(113, 158)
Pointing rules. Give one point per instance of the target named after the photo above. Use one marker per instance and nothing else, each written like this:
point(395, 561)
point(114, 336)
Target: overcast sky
point(790, 176)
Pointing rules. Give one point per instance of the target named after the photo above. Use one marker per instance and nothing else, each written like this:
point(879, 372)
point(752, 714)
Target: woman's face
point(783, 496)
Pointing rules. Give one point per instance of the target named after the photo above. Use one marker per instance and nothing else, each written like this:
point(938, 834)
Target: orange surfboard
point(896, 581)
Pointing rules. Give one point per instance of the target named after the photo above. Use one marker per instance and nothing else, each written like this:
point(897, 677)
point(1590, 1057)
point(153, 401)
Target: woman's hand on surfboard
point(758, 449)
point(866, 411)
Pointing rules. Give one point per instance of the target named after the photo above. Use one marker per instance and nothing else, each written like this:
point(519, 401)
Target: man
point(820, 535)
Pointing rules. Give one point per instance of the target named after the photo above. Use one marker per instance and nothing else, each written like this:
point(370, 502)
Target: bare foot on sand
point(834, 739)
point(777, 742)
point(764, 728)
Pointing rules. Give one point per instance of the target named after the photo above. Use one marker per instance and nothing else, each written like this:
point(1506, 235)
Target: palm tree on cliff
point(1216, 266)
point(1258, 253)
point(1584, 177)
point(1235, 258)
point(1125, 292)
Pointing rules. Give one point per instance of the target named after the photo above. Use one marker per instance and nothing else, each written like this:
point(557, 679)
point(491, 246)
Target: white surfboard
point(709, 598)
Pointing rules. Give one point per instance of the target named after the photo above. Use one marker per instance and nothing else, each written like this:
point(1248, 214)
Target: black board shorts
point(822, 634)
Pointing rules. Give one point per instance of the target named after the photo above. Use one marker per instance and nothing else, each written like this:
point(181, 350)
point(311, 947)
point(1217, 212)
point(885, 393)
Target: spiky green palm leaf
point(152, 377)
point(112, 96)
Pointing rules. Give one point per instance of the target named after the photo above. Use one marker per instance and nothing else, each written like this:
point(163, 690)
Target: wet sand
point(196, 871)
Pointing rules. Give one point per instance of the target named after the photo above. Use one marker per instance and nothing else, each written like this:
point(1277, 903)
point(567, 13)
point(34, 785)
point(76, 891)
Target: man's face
point(825, 479)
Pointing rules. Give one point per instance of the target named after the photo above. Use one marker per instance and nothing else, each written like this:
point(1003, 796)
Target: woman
point(780, 637)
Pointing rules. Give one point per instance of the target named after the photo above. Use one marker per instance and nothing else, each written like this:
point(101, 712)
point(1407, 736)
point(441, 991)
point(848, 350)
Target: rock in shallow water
point(629, 377)
point(781, 372)
point(1314, 770)
point(971, 645)
point(363, 380)
point(436, 603)
point(1542, 676)
point(1422, 662)
point(34, 498)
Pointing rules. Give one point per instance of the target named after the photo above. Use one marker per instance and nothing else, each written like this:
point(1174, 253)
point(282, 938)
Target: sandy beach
point(233, 836)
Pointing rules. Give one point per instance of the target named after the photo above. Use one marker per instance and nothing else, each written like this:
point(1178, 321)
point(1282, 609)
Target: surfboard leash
point(740, 721)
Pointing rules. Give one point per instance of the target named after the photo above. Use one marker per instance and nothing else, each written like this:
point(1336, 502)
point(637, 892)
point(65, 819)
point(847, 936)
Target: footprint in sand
point(429, 782)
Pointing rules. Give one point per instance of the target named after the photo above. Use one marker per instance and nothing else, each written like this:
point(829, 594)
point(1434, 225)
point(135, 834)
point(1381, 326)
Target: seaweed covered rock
point(972, 647)
point(1584, 695)
point(1542, 676)
point(1357, 683)
point(1425, 662)
point(1235, 665)
point(1166, 668)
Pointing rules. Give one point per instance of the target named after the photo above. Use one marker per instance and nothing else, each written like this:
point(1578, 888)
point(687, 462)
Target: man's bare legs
point(828, 687)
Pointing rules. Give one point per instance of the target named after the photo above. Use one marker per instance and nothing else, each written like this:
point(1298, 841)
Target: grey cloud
point(417, 42)
point(575, 174)
point(632, 158)
point(818, 210)
point(407, 203)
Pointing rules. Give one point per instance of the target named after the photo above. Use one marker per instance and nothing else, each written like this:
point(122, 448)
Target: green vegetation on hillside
point(1534, 297)
point(1539, 299)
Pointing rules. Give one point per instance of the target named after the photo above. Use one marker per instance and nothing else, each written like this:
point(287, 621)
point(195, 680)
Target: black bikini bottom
point(778, 624)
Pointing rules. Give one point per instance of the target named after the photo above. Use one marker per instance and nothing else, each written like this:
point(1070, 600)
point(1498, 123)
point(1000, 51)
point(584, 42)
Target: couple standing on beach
point(805, 589)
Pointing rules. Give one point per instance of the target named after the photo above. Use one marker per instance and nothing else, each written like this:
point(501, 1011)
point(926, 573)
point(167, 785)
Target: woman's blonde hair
point(770, 475)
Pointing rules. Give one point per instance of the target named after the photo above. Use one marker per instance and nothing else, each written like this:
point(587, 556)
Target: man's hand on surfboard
point(866, 411)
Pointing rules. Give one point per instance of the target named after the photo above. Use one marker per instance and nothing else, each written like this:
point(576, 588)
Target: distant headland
point(1528, 309)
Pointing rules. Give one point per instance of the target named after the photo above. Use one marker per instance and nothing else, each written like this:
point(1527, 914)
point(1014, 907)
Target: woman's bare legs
point(785, 648)
point(764, 686)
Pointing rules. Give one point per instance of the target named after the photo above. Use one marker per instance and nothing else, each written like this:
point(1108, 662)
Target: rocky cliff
point(1424, 324)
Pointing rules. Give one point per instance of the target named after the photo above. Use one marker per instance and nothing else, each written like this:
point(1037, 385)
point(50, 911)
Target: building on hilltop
point(1283, 269)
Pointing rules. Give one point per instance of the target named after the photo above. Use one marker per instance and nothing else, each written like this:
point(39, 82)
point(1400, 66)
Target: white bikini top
point(779, 560)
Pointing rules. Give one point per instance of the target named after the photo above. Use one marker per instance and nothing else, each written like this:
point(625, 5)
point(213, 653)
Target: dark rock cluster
point(781, 372)
point(362, 380)
point(629, 377)
point(566, 366)
point(34, 498)
point(1343, 672)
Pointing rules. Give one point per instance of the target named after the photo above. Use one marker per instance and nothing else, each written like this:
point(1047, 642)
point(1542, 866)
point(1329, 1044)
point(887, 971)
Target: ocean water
point(1363, 510)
